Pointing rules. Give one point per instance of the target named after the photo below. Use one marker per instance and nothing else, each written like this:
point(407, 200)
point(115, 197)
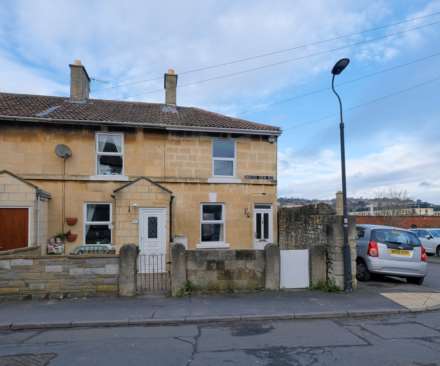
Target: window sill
point(213, 246)
point(118, 178)
point(224, 180)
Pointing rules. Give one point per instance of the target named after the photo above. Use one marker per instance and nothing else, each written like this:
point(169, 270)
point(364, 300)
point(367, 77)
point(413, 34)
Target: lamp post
point(348, 286)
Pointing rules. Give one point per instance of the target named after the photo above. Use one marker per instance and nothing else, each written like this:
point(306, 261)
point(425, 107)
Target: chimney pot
point(170, 85)
point(79, 82)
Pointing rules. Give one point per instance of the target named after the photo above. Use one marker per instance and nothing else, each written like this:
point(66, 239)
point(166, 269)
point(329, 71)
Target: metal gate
point(152, 274)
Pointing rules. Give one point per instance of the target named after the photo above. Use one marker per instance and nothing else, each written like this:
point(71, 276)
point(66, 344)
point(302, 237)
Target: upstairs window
point(109, 154)
point(223, 158)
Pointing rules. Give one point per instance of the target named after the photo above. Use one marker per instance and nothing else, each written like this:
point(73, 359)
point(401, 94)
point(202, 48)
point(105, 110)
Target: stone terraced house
point(131, 172)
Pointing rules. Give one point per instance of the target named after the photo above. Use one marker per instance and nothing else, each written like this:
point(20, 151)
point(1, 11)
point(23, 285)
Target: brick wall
point(400, 221)
point(64, 276)
point(226, 270)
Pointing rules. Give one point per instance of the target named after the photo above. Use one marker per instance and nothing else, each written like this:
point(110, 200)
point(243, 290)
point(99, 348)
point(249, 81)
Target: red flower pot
point(71, 221)
point(71, 237)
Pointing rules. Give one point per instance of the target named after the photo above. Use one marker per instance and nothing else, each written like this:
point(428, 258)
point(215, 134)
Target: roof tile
point(60, 109)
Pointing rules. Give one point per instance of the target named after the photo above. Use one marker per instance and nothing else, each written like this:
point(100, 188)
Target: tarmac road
point(411, 339)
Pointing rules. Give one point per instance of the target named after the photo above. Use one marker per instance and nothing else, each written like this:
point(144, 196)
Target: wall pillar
point(127, 270)
point(335, 251)
point(339, 204)
point(272, 272)
point(178, 268)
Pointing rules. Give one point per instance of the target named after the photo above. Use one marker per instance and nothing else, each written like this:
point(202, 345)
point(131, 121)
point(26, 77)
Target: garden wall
point(58, 276)
point(224, 270)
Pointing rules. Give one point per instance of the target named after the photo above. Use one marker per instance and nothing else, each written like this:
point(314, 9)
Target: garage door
point(14, 228)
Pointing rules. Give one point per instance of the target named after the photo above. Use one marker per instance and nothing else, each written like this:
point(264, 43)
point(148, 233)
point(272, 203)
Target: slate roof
point(51, 109)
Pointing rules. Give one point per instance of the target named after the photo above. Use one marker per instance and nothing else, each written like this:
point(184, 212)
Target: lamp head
point(340, 66)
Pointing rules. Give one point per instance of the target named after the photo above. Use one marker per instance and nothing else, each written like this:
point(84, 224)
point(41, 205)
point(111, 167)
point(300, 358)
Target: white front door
point(263, 224)
point(152, 240)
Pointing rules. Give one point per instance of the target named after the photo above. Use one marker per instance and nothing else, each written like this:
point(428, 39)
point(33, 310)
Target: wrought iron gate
point(152, 274)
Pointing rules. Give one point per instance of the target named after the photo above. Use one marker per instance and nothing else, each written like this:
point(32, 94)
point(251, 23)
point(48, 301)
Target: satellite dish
point(63, 151)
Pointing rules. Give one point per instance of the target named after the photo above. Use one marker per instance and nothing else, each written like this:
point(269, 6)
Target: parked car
point(430, 238)
point(94, 249)
point(386, 250)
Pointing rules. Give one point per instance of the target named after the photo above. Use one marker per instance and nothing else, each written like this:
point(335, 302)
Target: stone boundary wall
point(319, 229)
point(58, 276)
point(221, 270)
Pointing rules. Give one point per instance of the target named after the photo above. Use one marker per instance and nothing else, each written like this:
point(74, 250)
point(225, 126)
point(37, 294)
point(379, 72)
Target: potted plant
point(71, 221)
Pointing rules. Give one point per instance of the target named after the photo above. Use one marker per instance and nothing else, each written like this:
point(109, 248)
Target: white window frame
point(224, 159)
point(213, 244)
point(86, 222)
point(97, 154)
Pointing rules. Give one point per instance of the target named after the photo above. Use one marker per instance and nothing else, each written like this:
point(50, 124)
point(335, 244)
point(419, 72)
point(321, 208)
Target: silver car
point(430, 238)
point(386, 250)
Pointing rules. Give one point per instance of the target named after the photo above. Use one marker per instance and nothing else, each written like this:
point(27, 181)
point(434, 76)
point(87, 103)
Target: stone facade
point(144, 194)
point(318, 229)
point(179, 161)
point(58, 276)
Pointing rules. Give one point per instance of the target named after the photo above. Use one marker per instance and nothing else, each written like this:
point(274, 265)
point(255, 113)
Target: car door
point(426, 239)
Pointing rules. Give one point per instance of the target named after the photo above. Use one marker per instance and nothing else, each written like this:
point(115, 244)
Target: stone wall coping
point(223, 250)
point(56, 257)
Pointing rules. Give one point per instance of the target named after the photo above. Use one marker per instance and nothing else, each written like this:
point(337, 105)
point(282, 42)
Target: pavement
point(385, 297)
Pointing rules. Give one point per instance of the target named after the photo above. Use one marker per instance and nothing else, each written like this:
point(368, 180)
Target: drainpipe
point(37, 214)
point(171, 217)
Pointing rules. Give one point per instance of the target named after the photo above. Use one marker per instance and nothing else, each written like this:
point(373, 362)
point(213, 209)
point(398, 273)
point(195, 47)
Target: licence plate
point(405, 253)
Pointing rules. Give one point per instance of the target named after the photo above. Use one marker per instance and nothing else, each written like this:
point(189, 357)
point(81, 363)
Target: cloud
point(123, 41)
point(404, 164)
point(13, 76)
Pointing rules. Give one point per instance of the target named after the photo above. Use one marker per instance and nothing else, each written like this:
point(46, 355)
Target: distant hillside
point(360, 204)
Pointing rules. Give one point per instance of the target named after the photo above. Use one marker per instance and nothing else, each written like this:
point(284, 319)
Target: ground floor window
point(98, 223)
point(212, 223)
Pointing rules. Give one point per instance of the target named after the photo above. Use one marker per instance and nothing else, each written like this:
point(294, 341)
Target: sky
point(265, 61)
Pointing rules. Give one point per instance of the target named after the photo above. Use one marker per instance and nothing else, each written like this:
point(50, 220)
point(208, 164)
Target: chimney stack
point(79, 82)
point(170, 85)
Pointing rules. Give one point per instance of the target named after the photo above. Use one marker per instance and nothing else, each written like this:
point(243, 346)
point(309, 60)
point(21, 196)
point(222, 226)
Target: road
point(404, 340)
point(432, 280)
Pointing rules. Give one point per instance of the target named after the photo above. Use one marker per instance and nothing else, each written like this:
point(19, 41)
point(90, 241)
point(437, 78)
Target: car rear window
point(394, 236)
point(435, 233)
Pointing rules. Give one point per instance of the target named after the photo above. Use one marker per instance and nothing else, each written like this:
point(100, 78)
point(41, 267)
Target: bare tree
point(391, 203)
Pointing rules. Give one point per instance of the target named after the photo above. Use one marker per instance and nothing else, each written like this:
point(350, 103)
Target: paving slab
point(415, 300)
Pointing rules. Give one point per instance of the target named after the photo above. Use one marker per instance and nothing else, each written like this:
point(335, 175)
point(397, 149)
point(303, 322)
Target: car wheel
point(362, 272)
point(437, 251)
point(415, 280)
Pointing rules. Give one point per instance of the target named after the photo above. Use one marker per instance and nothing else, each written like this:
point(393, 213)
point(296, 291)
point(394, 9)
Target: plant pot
point(71, 221)
point(71, 237)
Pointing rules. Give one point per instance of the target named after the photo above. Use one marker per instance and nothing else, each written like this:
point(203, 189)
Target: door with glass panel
point(263, 225)
point(152, 240)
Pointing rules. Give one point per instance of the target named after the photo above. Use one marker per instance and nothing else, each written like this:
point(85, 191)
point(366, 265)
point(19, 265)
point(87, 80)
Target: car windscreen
point(394, 236)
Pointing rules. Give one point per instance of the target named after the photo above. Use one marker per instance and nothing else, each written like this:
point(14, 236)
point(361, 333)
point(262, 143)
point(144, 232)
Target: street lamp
point(348, 286)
